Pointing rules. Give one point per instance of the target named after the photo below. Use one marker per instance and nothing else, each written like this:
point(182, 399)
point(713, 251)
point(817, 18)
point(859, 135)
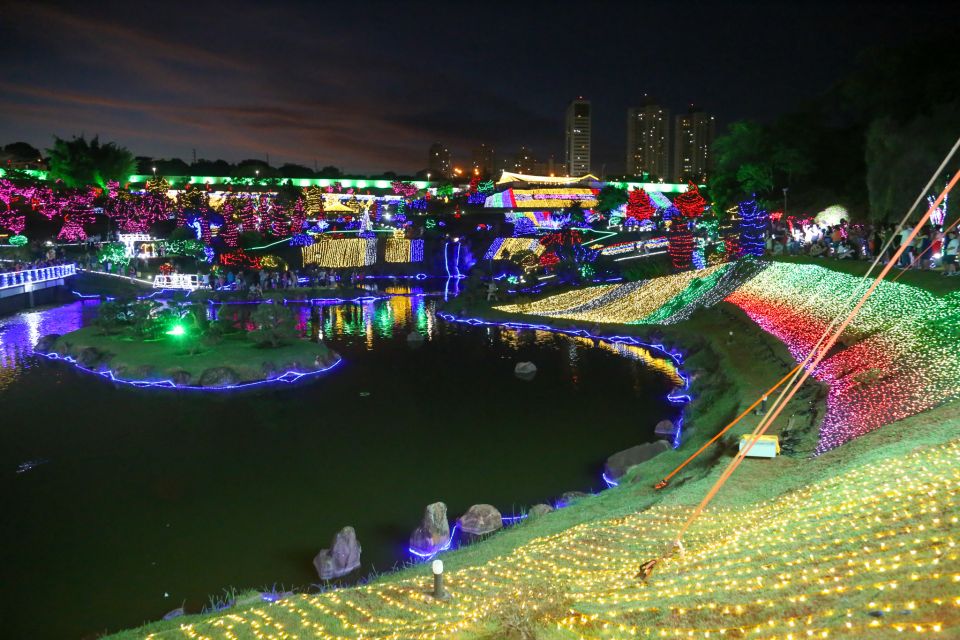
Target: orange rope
point(793, 387)
point(663, 483)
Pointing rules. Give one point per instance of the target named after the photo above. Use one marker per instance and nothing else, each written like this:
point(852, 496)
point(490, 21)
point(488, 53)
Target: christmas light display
point(503, 247)
point(240, 258)
point(313, 205)
point(901, 359)
point(73, 226)
point(680, 244)
point(753, 223)
point(554, 198)
point(639, 206)
point(939, 214)
point(405, 189)
point(18, 241)
point(628, 303)
point(301, 240)
point(341, 252)
point(867, 553)
point(690, 203)
point(398, 250)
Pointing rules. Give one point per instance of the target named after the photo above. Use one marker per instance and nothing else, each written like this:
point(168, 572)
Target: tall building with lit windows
point(438, 162)
point(648, 141)
point(483, 160)
point(692, 147)
point(577, 148)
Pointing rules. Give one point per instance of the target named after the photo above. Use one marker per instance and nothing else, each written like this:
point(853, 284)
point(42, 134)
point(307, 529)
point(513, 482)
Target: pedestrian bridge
point(29, 280)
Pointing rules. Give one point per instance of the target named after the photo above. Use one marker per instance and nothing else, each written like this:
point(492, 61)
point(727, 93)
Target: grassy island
point(155, 345)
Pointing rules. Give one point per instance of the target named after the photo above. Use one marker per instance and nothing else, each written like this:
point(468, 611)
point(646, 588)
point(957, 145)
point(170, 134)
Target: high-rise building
point(523, 161)
point(438, 163)
point(483, 160)
point(693, 140)
point(577, 149)
point(648, 141)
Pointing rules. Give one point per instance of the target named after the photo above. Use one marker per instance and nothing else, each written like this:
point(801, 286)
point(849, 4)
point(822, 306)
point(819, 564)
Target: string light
point(341, 252)
point(868, 553)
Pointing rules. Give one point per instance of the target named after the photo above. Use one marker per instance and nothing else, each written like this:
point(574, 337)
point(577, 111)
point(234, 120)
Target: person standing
point(950, 251)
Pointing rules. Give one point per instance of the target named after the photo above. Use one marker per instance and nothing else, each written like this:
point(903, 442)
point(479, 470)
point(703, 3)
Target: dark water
point(140, 500)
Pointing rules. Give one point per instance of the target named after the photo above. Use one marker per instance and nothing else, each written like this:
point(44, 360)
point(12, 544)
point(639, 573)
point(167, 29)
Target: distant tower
point(648, 141)
point(483, 163)
point(438, 162)
point(524, 161)
point(693, 139)
point(577, 148)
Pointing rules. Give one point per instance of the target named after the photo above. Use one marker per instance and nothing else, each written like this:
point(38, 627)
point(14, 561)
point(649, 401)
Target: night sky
point(369, 86)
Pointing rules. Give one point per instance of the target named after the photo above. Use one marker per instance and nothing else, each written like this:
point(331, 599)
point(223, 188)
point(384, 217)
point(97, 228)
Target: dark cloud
point(368, 86)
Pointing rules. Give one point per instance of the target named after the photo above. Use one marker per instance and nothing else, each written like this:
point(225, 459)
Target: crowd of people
point(932, 248)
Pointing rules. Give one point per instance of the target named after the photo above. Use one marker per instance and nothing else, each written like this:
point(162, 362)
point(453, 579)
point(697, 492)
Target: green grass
point(162, 358)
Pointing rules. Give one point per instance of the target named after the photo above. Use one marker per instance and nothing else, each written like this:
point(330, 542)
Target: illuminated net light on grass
point(817, 562)
point(341, 252)
point(898, 357)
point(623, 303)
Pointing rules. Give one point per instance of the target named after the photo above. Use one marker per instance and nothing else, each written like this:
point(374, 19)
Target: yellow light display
point(621, 303)
point(869, 553)
point(511, 246)
point(341, 252)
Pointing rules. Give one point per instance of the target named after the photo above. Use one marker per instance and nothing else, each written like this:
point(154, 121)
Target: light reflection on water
point(18, 333)
point(343, 325)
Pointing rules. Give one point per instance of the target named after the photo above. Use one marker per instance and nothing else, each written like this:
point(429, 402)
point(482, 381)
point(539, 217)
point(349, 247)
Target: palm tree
point(78, 162)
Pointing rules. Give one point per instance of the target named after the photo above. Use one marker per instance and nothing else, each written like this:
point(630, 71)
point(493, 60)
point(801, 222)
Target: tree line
point(870, 142)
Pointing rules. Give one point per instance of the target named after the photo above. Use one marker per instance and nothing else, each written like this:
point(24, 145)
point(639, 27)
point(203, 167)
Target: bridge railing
point(12, 279)
point(189, 281)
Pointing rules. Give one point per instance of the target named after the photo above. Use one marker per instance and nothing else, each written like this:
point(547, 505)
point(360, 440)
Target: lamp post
point(785, 189)
point(438, 591)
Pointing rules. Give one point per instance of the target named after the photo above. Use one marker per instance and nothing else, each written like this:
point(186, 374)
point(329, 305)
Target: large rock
point(433, 532)
point(481, 519)
point(538, 510)
point(218, 377)
point(618, 464)
point(342, 558)
point(89, 357)
point(665, 429)
point(45, 344)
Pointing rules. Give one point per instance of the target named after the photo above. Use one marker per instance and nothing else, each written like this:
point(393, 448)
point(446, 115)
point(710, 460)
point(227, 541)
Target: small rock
point(571, 496)
point(89, 356)
point(45, 344)
point(538, 510)
point(481, 519)
point(218, 377)
point(269, 370)
point(665, 428)
point(175, 613)
point(618, 464)
point(180, 378)
point(342, 558)
point(433, 532)
point(525, 370)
